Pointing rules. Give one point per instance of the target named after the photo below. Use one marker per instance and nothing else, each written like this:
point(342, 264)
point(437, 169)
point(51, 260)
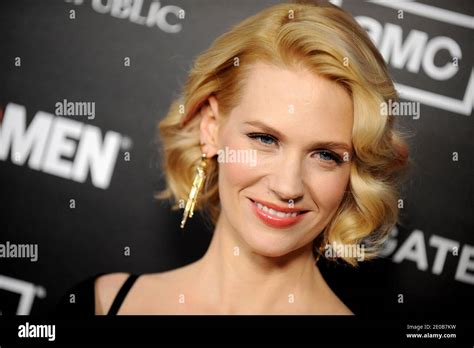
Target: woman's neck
point(239, 281)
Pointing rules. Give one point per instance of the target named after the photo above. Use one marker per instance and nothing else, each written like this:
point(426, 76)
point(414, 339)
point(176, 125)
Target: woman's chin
point(270, 247)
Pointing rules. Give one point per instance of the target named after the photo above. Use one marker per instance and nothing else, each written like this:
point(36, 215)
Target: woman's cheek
point(237, 161)
point(328, 189)
point(238, 164)
point(236, 173)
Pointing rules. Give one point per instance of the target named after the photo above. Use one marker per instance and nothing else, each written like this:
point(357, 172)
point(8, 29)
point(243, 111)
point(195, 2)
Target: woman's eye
point(329, 156)
point(268, 140)
point(265, 139)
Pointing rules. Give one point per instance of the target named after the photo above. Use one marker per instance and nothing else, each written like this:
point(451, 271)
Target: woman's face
point(286, 146)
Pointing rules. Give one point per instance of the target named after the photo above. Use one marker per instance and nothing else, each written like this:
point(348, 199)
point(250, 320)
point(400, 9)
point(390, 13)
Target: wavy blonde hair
point(328, 41)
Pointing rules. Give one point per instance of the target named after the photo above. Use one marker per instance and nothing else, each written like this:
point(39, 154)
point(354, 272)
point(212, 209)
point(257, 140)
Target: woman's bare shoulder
point(106, 288)
point(144, 290)
point(340, 308)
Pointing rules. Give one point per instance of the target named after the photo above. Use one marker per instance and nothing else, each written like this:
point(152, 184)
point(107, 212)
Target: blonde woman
point(279, 139)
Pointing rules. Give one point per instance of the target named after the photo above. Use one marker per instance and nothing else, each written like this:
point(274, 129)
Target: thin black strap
point(122, 294)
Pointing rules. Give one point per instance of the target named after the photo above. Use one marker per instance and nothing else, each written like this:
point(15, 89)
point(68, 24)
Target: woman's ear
point(209, 126)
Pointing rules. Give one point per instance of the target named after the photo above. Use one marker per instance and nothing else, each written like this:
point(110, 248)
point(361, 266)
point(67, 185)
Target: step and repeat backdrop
point(83, 84)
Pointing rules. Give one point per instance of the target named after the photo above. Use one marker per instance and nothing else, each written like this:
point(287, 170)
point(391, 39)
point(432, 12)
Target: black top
point(80, 299)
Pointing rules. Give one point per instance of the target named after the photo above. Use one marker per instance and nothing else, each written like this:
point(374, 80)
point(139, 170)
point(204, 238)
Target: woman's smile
point(276, 216)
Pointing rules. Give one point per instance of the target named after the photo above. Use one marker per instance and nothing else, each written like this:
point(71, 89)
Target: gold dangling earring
point(197, 185)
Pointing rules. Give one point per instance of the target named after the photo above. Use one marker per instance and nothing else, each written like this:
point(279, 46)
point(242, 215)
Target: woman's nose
point(287, 181)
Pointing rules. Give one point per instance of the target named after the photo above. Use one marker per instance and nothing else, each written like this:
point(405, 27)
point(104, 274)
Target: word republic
point(141, 12)
point(59, 146)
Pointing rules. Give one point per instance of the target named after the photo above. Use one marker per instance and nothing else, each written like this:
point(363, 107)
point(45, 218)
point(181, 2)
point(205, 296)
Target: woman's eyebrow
point(315, 145)
point(266, 128)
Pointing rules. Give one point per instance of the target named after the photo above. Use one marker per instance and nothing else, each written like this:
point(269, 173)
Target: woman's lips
point(277, 221)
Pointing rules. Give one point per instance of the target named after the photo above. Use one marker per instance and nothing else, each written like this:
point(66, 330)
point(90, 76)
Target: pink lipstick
point(276, 216)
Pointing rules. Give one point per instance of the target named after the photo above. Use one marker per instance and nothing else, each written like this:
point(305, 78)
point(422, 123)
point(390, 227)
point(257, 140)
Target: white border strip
point(463, 107)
